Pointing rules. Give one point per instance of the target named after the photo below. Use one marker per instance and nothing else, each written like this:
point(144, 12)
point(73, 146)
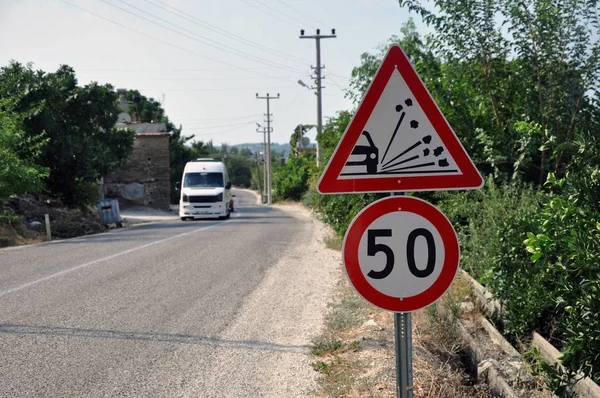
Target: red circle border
point(385, 206)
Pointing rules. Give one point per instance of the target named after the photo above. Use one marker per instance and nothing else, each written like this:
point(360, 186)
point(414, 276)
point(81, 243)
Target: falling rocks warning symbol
point(396, 139)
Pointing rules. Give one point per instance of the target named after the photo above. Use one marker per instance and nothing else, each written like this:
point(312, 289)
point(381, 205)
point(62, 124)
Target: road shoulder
point(281, 317)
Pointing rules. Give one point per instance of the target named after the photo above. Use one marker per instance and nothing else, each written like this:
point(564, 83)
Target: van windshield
point(203, 180)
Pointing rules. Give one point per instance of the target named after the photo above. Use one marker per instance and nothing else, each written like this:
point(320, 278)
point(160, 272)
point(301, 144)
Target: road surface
point(171, 309)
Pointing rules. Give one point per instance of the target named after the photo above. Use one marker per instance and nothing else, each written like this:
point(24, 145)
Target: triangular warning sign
point(398, 140)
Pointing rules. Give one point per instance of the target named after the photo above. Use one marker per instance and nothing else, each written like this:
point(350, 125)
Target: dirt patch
point(356, 356)
point(22, 221)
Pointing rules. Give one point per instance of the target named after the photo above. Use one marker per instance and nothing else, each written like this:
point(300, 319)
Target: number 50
point(373, 248)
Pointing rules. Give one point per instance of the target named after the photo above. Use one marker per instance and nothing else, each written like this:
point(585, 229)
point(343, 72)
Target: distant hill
point(258, 147)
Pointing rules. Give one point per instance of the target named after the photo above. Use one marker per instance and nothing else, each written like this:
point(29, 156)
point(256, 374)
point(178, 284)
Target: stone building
point(145, 178)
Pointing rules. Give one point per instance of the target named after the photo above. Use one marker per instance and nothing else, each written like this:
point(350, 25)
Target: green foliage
point(539, 253)
point(533, 62)
point(565, 249)
point(19, 172)
point(560, 381)
point(78, 122)
point(7, 217)
point(149, 110)
point(239, 168)
point(297, 135)
point(492, 224)
point(291, 180)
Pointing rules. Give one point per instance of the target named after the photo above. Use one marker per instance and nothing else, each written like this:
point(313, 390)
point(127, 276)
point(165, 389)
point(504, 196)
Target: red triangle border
point(470, 177)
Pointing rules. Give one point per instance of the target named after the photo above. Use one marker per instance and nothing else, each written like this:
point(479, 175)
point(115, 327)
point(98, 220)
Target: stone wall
point(145, 178)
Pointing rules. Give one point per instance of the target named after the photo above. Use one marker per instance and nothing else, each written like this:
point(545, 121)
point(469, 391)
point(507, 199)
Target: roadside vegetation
point(355, 352)
point(58, 139)
point(518, 83)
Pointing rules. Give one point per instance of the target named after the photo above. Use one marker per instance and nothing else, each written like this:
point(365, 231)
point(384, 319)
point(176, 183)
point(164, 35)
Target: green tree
point(149, 109)
point(297, 135)
point(240, 170)
point(291, 180)
point(19, 171)
point(521, 62)
point(79, 123)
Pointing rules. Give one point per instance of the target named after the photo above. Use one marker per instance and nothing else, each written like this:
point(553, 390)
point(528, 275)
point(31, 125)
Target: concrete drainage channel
point(495, 361)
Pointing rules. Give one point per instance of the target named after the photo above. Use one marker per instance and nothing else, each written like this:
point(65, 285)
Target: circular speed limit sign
point(401, 253)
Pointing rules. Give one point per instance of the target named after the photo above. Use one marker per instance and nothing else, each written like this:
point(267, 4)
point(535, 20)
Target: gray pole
point(403, 339)
point(319, 99)
point(264, 165)
point(268, 152)
point(270, 172)
point(318, 79)
point(263, 130)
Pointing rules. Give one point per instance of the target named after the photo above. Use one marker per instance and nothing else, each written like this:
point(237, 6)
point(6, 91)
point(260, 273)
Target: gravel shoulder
point(281, 317)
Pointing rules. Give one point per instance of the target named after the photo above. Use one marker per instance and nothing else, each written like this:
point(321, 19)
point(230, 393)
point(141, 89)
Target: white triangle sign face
point(398, 140)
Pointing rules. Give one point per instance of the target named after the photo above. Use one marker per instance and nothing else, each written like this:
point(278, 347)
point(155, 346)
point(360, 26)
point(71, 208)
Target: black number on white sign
point(373, 248)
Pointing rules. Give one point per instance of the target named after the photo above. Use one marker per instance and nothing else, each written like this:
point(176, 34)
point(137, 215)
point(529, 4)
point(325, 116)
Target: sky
point(205, 60)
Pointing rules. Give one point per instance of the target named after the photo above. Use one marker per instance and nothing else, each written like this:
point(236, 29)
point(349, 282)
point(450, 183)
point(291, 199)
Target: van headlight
point(220, 197)
point(184, 198)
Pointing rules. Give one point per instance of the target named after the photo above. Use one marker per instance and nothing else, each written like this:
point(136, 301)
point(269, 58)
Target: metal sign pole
point(403, 339)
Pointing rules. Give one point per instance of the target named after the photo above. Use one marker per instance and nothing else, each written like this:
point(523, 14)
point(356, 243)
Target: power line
point(220, 126)
point(271, 13)
point(310, 17)
point(167, 70)
point(211, 89)
point(199, 38)
point(206, 25)
point(288, 78)
point(340, 76)
point(160, 40)
point(332, 80)
point(227, 118)
point(221, 131)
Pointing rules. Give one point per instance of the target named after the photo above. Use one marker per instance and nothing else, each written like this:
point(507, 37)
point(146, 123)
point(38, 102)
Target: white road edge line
point(66, 271)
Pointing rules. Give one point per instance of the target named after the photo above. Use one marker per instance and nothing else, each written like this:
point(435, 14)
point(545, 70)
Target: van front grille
point(203, 199)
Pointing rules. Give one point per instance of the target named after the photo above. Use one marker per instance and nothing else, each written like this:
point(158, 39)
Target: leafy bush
point(19, 172)
point(492, 224)
point(291, 180)
point(565, 251)
point(488, 222)
point(7, 217)
point(339, 210)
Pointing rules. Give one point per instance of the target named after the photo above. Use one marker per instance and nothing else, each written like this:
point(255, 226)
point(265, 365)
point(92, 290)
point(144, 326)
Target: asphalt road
point(150, 311)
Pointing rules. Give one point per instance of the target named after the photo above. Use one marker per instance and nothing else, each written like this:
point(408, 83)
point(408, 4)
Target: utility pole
point(269, 175)
point(263, 130)
point(258, 175)
point(318, 79)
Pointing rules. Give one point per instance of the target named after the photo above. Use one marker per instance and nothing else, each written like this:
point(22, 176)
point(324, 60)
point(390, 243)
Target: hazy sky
point(205, 60)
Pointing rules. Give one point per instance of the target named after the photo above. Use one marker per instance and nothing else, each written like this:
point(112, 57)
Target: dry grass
point(333, 242)
point(18, 236)
point(356, 356)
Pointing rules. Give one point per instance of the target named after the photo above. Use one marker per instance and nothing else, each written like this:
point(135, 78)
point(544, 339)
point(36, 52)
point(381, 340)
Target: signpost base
point(403, 338)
